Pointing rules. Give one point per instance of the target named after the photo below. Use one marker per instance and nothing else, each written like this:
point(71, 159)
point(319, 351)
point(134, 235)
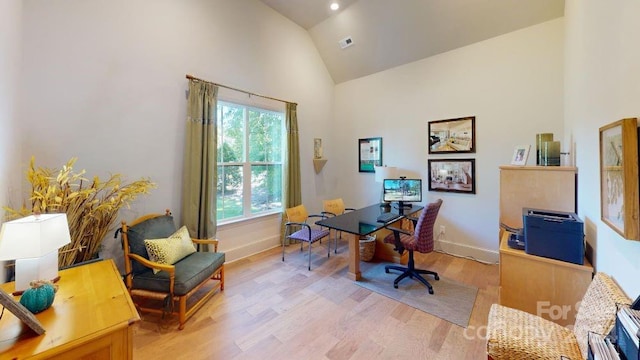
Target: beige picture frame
point(619, 205)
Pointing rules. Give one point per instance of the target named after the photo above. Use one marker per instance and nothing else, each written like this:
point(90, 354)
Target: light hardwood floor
point(275, 310)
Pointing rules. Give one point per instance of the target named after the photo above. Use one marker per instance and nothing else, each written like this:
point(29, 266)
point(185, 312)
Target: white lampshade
point(33, 241)
point(385, 172)
point(33, 236)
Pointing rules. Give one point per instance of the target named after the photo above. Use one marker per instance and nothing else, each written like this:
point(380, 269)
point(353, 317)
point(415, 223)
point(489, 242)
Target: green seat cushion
point(190, 271)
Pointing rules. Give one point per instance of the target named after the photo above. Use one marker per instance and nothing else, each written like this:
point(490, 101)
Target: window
point(250, 161)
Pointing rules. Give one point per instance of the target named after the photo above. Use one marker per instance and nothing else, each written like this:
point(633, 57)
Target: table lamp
point(384, 172)
point(33, 242)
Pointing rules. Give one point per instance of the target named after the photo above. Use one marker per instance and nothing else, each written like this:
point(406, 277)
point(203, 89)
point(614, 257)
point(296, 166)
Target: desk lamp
point(384, 172)
point(33, 242)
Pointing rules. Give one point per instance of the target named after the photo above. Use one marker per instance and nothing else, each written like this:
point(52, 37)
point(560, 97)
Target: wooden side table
point(91, 317)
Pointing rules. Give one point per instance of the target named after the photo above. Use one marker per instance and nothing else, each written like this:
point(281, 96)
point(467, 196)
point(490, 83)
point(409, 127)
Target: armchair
point(297, 229)
point(421, 240)
point(178, 272)
point(515, 334)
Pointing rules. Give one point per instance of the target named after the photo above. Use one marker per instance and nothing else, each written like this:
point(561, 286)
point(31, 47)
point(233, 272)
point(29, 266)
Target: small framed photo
point(520, 155)
point(452, 175)
point(21, 312)
point(317, 148)
point(369, 154)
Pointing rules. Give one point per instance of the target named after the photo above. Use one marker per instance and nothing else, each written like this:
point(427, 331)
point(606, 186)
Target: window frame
point(246, 165)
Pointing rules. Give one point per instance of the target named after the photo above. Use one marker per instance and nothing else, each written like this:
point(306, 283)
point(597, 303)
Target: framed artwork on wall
point(619, 200)
point(452, 136)
point(369, 154)
point(452, 175)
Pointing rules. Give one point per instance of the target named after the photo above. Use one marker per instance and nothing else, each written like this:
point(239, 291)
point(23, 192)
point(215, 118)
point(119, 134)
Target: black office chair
point(421, 240)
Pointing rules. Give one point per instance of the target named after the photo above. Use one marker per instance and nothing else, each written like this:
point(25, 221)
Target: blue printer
point(553, 234)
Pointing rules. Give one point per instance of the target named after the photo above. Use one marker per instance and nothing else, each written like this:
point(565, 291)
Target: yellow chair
point(297, 228)
point(335, 207)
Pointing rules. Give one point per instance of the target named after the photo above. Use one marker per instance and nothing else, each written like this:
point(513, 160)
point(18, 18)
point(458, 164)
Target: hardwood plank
point(276, 309)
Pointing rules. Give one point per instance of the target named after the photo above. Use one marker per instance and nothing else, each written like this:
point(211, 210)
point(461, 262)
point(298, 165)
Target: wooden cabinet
point(538, 187)
point(541, 286)
point(90, 318)
point(546, 287)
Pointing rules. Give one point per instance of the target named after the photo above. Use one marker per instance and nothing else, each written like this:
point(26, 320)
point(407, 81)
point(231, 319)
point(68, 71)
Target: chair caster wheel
point(385, 270)
point(437, 278)
point(431, 291)
point(395, 286)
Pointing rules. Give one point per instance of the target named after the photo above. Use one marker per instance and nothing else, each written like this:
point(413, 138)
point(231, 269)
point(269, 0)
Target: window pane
point(266, 188)
point(229, 191)
point(230, 133)
point(265, 136)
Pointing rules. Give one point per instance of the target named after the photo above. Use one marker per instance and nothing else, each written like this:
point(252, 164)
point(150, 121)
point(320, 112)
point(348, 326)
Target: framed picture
point(21, 312)
point(619, 177)
point(520, 155)
point(452, 175)
point(452, 136)
point(369, 154)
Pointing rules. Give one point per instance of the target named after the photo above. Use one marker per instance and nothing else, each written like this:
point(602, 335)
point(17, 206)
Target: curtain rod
point(191, 77)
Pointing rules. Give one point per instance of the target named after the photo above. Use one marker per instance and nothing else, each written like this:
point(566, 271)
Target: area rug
point(452, 301)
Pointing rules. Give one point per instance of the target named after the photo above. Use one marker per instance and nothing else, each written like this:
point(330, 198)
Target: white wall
point(104, 81)
point(512, 84)
point(602, 85)
point(10, 172)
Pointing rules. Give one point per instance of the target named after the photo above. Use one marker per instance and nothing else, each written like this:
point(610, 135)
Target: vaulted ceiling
point(389, 33)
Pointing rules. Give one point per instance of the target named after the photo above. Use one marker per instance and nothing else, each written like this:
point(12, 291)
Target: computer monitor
point(402, 191)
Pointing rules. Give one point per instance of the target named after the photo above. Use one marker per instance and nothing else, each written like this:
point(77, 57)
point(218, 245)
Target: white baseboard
point(243, 251)
point(461, 250)
point(484, 255)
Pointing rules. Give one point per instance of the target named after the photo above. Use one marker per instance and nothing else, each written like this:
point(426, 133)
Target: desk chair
point(297, 228)
point(335, 207)
point(421, 240)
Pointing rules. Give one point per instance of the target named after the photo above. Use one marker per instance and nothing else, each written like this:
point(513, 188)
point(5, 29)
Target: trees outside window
point(250, 161)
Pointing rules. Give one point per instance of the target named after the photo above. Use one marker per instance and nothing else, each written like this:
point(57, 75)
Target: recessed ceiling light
point(334, 6)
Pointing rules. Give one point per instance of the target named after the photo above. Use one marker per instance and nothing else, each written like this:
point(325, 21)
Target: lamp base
point(42, 268)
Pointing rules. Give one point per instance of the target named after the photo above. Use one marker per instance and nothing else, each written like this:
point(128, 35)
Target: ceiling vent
point(346, 42)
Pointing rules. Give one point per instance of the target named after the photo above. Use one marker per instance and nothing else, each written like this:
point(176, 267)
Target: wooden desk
point(542, 286)
point(359, 223)
point(91, 317)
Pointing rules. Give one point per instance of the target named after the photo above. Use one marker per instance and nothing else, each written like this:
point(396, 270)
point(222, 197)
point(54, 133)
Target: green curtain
point(293, 184)
point(200, 162)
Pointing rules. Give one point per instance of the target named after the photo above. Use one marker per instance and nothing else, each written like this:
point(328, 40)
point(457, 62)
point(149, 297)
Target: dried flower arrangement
point(91, 207)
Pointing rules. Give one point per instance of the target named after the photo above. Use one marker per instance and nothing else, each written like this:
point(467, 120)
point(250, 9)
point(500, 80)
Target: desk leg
point(354, 256)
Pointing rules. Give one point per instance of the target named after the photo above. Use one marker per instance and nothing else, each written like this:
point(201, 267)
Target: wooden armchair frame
point(183, 312)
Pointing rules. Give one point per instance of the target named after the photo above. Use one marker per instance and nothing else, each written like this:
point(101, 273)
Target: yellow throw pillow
point(170, 250)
